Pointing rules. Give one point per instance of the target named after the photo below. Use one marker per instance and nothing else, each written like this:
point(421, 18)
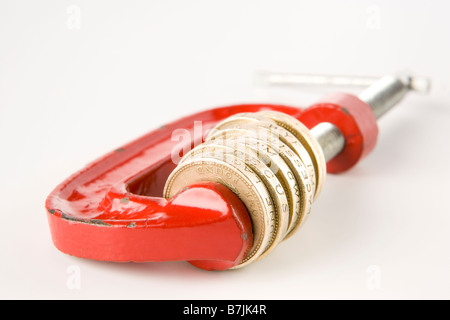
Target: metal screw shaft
point(381, 96)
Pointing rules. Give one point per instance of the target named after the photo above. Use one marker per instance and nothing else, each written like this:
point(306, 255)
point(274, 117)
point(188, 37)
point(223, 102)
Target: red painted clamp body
point(112, 210)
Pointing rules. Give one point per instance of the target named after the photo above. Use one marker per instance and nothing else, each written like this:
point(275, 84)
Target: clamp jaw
point(114, 209)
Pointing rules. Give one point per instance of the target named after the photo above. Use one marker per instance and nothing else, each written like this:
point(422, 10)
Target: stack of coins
point(270, 161)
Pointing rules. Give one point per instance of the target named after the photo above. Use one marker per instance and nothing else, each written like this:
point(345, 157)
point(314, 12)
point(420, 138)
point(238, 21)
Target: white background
point(79, 78)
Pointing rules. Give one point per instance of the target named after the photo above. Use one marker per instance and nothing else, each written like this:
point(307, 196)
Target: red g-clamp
point(114, 210)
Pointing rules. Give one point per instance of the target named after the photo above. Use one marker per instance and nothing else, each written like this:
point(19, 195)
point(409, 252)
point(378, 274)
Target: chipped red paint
point(113, 209)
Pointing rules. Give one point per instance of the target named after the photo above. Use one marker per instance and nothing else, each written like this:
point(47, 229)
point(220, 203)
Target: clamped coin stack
point(230, 200)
